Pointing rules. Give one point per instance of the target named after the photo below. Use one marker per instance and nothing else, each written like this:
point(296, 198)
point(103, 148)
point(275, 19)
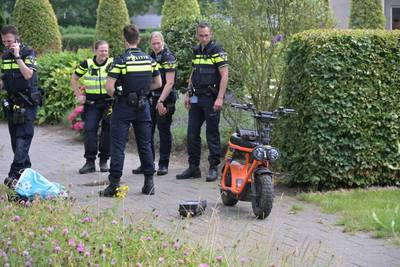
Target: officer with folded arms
point(92, 74)
point(130, 79)
point(20, 80)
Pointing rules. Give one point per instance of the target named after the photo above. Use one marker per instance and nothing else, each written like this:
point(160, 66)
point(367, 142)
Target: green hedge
point(55, 72)
point(345, 87)
point(367, 14)
point(144, 44)
point(75, 41)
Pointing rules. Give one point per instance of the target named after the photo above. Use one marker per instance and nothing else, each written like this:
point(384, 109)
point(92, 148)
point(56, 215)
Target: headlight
point(259, 153)
point(273, 154)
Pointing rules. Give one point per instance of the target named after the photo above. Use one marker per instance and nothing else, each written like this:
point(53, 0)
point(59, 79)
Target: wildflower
point(13, 250)
point(87, 219)
point(114, 222)
point(9, 243)
point(161, 259)
point(278, 38)
point(219, 258)
point(57, 249)
point(87, 253)
point(186, 253)
point(25, 254)
point(17, 218)
point(138, 264)
point(122, 191)
point(242, 259)
point(50, 229)
point(149, 238)
point(164, 245)
point(28, 263)
point(113, 261)
point(84, 234)
point(80, 247)
point(203, 265)
point(65, 231)
point(71, 242)
point(27, 204)
point(2, 198)
point(177, 245)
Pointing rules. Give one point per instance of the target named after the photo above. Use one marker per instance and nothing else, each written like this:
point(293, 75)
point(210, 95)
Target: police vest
point(94, 79)
point(14, 81)
point(206, 65)
point(166, 63)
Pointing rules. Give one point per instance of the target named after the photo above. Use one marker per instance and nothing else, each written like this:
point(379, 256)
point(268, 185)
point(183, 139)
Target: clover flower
point(219, 258)
point(87, 219)
point(177, 245)
point(161, 259)
point(50, 229)
point(17, 218)
point(114, 222)
point(57, 249)
point(71, 242)
point(277, 38)
point(65, 231)
point(80, 247)
point(203, 265)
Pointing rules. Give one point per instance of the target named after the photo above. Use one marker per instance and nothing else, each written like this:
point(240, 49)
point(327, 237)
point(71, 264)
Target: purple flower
point(80, 247)
point(149, 238)
point(57, 249)
point(28, 263)
point(27, 204)
point(25, 254)
point(13, 250)
point(113, 261)
point(17, 218)
point(84, 234)
point(161, 259)
point(242, 259)
point(219, 258)
point(203, 265)
point(186, 253)
point(278, 38)
point(164, 245)
point(87, 253)
point(71, 242)
point(65, 231)
point(50, 229)
point(2, 198)
point(138, 264)
point(87, 219)
point(177, 245)
point(114, 222)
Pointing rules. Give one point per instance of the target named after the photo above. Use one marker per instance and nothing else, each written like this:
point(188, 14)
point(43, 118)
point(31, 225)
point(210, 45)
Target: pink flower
point(219, 258)
point(57, 249)
point(78, 109)
point(71, 242)
point(203, 265)
point(65, 231)
point(149, 238)
point(161, 259)
point(17, 218)
point(50, 229)
point(114, 222)
point(78, 125)
point(177, 245)
point(71, 117)
point(80, 247)
point(87, 219)
point(87, 253)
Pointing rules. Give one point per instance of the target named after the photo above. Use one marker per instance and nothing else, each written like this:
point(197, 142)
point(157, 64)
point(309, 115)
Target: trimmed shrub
point(174, 10)
point(55, 72)
point(37, 25)
point(344, 86)
point(366, 14)
point(178, 24)
point(144, 44)
point(73, 42)
point(112, 17)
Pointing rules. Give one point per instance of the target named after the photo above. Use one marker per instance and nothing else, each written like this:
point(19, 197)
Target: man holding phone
point(20, 80)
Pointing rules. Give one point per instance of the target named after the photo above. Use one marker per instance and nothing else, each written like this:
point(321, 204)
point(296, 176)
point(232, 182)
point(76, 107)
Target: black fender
point(263, 170)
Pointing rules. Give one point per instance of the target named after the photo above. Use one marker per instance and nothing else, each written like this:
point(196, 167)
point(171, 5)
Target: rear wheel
point(263, 195)
point(227, 197)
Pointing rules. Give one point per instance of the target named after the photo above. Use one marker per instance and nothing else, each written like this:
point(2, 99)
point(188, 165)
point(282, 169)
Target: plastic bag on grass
point(32, 183)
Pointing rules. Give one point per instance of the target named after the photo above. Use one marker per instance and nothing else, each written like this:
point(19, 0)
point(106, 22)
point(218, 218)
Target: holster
point(19, 115)
point(138, 102)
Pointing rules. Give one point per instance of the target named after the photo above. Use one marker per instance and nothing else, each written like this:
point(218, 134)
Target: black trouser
point(21, 138)
point(163, 124)
point(198, 113)
point(93, 115)
point(122, 118)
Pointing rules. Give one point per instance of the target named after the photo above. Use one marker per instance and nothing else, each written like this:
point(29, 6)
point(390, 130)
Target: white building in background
point(391, 8)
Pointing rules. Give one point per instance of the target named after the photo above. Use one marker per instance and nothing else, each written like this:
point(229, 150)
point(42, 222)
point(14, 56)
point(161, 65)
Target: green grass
point(295, 208)
point(376, 209)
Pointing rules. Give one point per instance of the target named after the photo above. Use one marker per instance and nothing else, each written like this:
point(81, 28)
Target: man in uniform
point(23, 96)
point(134, 73)
point(207, 87)
point(97, 106)
point(163, 101)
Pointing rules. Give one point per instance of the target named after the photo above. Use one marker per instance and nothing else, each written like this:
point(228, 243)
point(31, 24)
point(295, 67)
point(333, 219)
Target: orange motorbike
point(246, 174)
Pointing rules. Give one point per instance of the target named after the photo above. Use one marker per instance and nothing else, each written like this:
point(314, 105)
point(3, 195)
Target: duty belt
point(206, 90)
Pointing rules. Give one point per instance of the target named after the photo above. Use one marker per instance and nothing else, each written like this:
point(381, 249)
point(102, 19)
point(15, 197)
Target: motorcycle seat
point(244, 140)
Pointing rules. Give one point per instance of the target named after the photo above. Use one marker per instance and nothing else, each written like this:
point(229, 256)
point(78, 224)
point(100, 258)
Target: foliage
point(57, 233)
point(367, 14)
point(344, 86)
point(55, 72)
point(112, 17)
point(374, 209)
point(262, 33)
point(176, 11)
point(2, 23)
point(37, 25)
point(75, 41)
point(77, 30)
point(180, 38)
point(144, 44)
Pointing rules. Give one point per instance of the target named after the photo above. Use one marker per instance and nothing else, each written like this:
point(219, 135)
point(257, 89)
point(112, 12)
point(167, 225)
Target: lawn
point(374, 210)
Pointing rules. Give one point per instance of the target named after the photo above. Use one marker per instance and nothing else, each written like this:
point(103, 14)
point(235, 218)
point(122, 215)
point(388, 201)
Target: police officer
point(163, 101)
point(21, 83)
point(134, 73)
point(207, 84)
point(92, 73)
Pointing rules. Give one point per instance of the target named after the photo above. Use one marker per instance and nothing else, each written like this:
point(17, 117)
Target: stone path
point(308, 238)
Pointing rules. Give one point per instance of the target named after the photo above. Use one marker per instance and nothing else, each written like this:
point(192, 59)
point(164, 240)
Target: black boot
point(212, 174)
point(162, 170)
point(138, 170)
point(10, 182)
point(191, 172)
point(109, 191)
point(103, 165)
point(88, 167)
point(148, 187)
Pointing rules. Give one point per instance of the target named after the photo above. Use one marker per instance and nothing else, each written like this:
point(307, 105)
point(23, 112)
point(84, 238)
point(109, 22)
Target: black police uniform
point(205, 80)
point(134, 71)
point(97, 108)
point(23, 97)
point(166, 63)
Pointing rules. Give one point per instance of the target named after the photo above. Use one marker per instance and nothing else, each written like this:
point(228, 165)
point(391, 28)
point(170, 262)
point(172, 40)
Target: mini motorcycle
point(246, 174)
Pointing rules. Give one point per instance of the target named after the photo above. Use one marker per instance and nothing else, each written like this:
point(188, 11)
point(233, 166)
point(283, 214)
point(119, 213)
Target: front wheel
point(227, 198)
point(263, 195)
